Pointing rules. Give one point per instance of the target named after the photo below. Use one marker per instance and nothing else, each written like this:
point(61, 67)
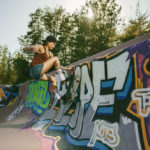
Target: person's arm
point(66, 68)
point(31, 48)
point(51, 55)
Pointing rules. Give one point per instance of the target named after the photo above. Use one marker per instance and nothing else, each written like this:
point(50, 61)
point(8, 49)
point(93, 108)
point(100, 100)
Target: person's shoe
point(57, 96)
point(61, 75)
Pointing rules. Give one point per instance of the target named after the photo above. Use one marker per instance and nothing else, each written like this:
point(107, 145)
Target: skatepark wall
point(108, 107)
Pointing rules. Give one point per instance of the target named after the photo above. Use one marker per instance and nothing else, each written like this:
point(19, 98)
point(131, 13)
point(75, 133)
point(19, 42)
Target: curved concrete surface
point(108, 107)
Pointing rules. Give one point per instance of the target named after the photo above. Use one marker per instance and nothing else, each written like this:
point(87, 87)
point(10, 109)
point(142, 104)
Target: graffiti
point(126, 120)
point(38, 96)
point(140, 53)
point(143, 98)
point(18, 109)
point(110, 103)
point(107, 133)
point(98, 96)
point(15, 112)
point(39, 125)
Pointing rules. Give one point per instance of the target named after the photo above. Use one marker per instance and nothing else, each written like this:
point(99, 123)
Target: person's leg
point(54, 61)
point(46, 77)
point(52, 79)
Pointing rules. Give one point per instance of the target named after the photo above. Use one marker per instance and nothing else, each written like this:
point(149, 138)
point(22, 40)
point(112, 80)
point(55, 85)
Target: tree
point(93, 34)
point(12, 70)
point(137, 26)
point(78, 36)
point(21, 69)
point(105, 19)
point(6, 67)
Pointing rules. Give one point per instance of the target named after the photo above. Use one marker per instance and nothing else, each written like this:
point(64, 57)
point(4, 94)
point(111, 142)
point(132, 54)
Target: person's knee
point(56, 58)
point(57, 63)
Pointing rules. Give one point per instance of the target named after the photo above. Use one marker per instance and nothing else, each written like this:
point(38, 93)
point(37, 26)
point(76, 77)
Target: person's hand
point(67, 68)
point(35, 49)
point(70, 68)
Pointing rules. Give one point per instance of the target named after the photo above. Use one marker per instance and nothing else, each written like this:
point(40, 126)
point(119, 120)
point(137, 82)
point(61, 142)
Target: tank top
point(39, 58)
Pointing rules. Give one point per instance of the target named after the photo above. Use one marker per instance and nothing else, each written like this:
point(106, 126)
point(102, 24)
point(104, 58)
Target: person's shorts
point(35, 72)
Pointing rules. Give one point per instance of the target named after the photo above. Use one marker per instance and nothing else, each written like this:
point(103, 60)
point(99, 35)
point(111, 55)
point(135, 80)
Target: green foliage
point(36, 29)
point(79, 36)
point(12, 70)
point(137, 26)
point(21, 67)
point(4, 69)
point(103, 26)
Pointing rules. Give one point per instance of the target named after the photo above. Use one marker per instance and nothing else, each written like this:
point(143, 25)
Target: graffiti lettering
point(99, 75)
point(112, 95)
point(143, 98)
point(38, 96)
point(15, 112)
point(106, 133)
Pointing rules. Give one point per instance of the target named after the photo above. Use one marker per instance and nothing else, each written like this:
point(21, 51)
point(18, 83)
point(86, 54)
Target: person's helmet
point(50, 39)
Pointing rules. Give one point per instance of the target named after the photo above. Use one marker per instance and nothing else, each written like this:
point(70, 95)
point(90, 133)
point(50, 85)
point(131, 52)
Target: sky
point(14, 15)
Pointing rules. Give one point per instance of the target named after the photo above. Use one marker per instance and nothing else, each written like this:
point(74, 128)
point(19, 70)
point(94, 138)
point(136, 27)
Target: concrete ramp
point(107, 108)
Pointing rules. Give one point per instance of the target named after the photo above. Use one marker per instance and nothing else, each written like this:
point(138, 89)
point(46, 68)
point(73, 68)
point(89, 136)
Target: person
point(3, 99)
point(44, 60)
point(9, 99)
